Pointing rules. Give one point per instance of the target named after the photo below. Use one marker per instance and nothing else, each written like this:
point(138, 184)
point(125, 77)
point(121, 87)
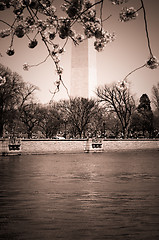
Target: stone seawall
point(52, 146)
point(117, 145)
point(45, 146)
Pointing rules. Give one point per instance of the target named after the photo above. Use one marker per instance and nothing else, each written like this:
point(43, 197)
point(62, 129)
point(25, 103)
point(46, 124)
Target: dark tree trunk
point(1, 126)
point(1, 130)
point(29, 133)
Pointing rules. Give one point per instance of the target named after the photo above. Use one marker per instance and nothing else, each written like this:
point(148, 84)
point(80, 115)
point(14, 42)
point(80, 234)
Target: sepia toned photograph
point(79, 120)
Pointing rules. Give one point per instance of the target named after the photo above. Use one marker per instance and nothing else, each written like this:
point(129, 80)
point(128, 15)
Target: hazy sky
point(120, 57)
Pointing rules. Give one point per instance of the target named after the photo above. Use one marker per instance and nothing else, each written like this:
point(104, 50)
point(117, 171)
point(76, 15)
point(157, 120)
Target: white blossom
point(152, 63)
point(2, 80)
point(117, 2)
point(127, 14)
point(26, 66)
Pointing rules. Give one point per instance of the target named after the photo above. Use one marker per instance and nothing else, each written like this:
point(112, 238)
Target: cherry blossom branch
point(152, 62)
point(106, 18)
point(65, 87)
point(134, 71)
point(146, 28)
point(81, 13)
point(101, 14)
point(6, 23)
point(58, 89)
point(38, 64)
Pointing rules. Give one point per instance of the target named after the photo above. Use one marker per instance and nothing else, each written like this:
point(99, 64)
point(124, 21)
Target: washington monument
point(83, 70)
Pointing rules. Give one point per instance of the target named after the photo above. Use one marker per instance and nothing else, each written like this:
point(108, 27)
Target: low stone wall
point(136, 144)
point(45, 146)
point(52, 146)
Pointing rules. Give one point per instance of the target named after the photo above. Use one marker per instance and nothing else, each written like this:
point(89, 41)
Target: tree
point(143, 116)
point(156, 123)
point(155, 92)
point(117, 98)
point(37, 19)
point(79, 112)
point(51, 120)
point(112, 125)
point(95, 127)
point(29, 115)
point(11, 92)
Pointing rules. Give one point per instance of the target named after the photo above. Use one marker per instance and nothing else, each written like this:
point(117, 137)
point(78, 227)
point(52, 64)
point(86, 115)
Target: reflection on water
point(111, 196)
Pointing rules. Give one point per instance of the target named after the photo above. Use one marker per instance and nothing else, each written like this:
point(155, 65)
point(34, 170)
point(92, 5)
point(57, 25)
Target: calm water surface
point(111, 196)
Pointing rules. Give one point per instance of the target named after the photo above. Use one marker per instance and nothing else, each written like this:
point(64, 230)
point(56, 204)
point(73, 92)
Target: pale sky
point(120, 57)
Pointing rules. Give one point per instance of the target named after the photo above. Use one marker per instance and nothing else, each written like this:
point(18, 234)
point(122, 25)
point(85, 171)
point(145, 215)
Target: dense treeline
point(113, 114)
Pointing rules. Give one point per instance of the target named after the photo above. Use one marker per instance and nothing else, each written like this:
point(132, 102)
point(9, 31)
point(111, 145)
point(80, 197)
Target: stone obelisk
point(83, 70)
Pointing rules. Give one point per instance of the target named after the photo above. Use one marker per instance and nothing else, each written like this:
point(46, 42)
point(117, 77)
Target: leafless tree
point(80, 112)
point(49, 120)
point(13, 94)
point(117, 98)
point(29, 115)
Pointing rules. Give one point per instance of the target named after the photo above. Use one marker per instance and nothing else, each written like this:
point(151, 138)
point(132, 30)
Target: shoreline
point(55, 146)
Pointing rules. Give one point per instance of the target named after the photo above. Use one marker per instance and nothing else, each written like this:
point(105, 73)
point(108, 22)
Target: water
point(110, 196)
